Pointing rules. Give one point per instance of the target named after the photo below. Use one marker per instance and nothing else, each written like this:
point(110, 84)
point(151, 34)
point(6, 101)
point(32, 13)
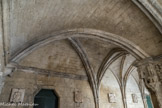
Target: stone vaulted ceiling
point(74, 36)
point(24, 22)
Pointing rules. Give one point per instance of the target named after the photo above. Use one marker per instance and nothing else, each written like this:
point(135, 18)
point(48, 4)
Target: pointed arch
point(83, 32)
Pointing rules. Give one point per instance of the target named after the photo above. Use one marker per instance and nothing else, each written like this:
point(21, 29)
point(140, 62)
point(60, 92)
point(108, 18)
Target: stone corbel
point(9, 69)
point(148, 73)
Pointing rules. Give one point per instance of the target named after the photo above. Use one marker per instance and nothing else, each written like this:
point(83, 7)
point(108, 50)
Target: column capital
point(150, 70)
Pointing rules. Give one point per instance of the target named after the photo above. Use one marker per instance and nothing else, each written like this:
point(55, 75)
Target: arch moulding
point(82, 32)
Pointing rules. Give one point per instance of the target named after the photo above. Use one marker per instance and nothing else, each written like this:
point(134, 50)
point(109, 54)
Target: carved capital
point(158, 68)
point(150, 71)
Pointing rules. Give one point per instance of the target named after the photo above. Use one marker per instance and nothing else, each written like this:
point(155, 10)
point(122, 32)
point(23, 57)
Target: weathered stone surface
point(1, 81)
point(27, 20)
point(53, 63)
point(96, 56)
point(33, 73)
point(50, 57)
point(64, 87)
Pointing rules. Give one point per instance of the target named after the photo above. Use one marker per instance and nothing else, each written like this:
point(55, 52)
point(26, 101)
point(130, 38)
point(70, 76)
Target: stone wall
point(109, 84)
point(64, 87)
point(133, 88)
point(57, 66)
